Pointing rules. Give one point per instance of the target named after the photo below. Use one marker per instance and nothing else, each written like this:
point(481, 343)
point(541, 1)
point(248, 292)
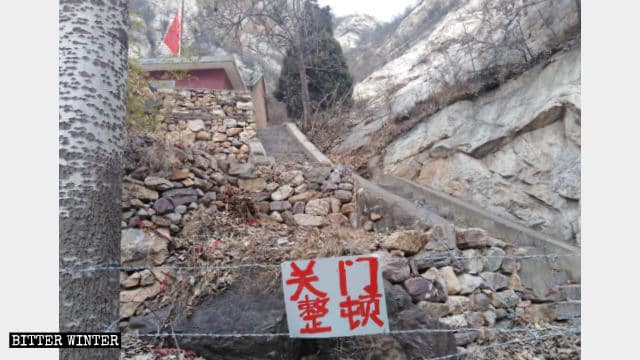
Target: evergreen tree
point(328, 77)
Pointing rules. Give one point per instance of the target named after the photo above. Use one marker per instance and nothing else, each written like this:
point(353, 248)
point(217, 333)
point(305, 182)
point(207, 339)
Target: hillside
point(481, 100)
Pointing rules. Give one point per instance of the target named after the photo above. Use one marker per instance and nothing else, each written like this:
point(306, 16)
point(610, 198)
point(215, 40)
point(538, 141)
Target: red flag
point(172, 38)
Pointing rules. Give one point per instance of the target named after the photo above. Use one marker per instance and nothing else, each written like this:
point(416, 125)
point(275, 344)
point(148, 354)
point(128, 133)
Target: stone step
point(570, 292)
point(567, 310)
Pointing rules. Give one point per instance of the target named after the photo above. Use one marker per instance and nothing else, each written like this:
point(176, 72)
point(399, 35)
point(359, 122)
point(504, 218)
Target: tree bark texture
point(92, 101)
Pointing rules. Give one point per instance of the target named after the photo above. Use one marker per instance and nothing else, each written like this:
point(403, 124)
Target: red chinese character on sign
point(366, 306)
point(311, 310)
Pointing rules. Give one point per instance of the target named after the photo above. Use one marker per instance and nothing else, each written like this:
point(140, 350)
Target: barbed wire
point(120, 267)
point(534, 338)
point(391, 332)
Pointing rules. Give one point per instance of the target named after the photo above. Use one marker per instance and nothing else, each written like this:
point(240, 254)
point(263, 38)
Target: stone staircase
point(279, 143)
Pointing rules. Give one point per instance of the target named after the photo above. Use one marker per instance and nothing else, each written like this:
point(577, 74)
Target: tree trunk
point(92, 100)
point(306, 107)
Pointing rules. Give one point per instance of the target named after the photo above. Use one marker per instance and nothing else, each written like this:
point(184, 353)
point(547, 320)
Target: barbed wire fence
point(537, 333)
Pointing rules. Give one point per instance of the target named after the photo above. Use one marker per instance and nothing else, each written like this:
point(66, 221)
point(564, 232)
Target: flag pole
point(181, 27)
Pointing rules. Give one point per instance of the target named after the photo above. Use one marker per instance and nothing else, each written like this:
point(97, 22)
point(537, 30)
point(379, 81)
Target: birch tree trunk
point(92, 100)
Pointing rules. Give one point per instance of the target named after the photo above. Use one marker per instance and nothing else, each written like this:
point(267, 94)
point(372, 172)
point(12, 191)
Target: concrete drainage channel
point(549, 269)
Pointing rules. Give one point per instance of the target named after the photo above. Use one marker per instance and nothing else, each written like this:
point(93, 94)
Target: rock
point(335, 204)
point(297, 180)
point(434, 309)
point(439, 294)
point(328, 186)
point(131, 281)
point(509, 265)
point(429, 259)
point(133, 190)
point(458, 304)
point(337, 219)
point(468, 283)
point(515, 283)
point(494, 256)
point(247, 106)
point(282, 193)
point(140, 248)
point(243, 307)
point(348, 208)
point(203, 135)
point(179, 174)
point(368, 225)
point(418, 288)
point(275, 216)
point(319, 207)
point(308, 220)
point(182, 209)
point(146, 277)
point(304, 196)
point(451, 280)
point(505, 299)
point(279, 205)
point(375, 216)
point(219, 137)
point(161, 221)
point(181, 196)
point(207, 199)
point(343, 195)
point(409, 241)
point(174, 218)
point(538, 313)
point(163, 206)
point(253, 185)
point(395, 268)
point(567, 310)
point(131, 299)
point(233, 131)
point(455, 321)
point(157, 183)
point(494, 281)
point(241, 170)
point(479, 302)
point(271, 187)
point(466, 337)
point(229, 123)
point(195, 125)
point(473, 238)
point(474, 263)
point(298, 207)
point(474, 319)
point(442, 237)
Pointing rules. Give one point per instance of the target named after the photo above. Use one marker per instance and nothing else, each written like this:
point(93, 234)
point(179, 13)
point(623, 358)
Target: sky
point(383, 10)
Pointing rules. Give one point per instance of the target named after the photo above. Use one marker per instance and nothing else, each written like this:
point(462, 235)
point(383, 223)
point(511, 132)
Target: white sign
point(334, 297)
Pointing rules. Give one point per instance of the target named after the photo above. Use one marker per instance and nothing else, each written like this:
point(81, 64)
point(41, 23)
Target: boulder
point(195, 125)
point(494, 281)
point(181, 196)
point(343, 195)
point(130, 300)
point(394, 268)
point(308, 220)
point(158, 183)
point(451, 280)
point(442, 237)
point(282, 193)
point(319, 207)
point(279, 205)
point(468, 283)
point(409, 241)
point(142, 248)
point(253, 185)
point(138, 191)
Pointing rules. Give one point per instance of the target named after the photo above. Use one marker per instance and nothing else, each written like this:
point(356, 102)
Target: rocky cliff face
point(481, 101)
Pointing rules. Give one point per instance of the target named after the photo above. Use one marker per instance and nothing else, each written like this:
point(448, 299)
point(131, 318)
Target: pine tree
point(328, 78)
